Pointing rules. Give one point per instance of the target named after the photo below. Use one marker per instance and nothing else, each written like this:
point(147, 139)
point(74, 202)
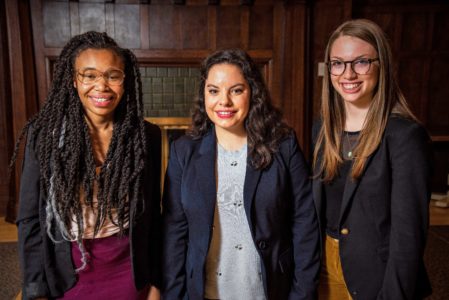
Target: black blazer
point(47, 267)
point(279, 207)
point(386, 214)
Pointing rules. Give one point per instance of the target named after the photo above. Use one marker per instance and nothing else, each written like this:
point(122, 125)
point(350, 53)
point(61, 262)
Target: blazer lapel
point(249, 189)
point(205, 170)
point(350, 187)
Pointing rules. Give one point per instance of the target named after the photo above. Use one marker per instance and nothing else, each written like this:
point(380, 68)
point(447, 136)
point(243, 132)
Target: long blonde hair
point(387, 99)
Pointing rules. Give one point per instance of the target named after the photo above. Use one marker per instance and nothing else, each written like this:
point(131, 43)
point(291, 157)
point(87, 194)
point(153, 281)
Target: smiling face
point(355, 89)
point(227, 97)
point(99, 98)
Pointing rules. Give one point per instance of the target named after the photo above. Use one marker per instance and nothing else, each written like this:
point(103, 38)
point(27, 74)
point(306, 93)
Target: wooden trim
point(22, 84)
point(244, 27)
point(144, 27)
point(43, 83)
point(170, 122)
point(440, 138)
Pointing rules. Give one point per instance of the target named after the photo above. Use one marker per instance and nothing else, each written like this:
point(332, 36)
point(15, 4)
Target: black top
point(333, 191)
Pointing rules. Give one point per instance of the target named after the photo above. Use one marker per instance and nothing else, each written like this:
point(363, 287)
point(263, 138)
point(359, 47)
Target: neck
point(230, 140)
point(355, 116)
point(99, 124)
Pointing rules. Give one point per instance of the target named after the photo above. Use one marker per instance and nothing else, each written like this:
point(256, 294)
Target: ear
point(74, 83)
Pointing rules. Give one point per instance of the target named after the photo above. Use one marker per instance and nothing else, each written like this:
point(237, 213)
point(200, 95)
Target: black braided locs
point(64, 146)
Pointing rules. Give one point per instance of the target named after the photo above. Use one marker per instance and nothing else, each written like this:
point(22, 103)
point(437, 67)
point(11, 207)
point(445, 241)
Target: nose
point(225, 100)
point(100, 83)
point(349, 72)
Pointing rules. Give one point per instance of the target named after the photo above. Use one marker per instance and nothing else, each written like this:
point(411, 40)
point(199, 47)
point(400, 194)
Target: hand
point(154, 293)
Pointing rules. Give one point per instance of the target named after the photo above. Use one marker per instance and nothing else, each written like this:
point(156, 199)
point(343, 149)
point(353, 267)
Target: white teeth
point(100, 99)
point(227, 113)
point(350, 86)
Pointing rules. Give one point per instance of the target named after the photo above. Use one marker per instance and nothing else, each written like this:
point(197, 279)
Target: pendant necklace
point(349, 152)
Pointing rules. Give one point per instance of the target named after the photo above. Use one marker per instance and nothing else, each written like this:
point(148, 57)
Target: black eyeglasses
point(111, 77)
point(360, 66)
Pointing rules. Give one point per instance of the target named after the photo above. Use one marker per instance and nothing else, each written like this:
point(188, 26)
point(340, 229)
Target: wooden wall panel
point(92, 16)
point(261, 33)
point(56, 20)
point(438, 95)
point(126, 24)
point(441, 31)
point(22, 84)
point(410, 76)
point(193, 34)
point(294, 104)
point(163, 27)
point(5, 112)
point(228, 27)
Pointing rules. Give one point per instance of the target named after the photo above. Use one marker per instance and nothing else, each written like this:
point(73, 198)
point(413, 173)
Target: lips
point(101, 101)
point(222, 114)
point(352, 87)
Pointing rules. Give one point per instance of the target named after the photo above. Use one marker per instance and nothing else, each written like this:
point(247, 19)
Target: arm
point(306, 236)
point(29, 230)
point(410, 194)
point(175, 231)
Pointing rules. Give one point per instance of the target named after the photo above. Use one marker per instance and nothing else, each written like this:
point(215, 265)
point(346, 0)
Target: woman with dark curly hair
point(239, 221)
point(89, 211)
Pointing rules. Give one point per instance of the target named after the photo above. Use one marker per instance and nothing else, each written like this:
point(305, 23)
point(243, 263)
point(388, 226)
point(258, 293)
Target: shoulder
point(32, 136)
point(405, 137)
point(185, 146)
point(186, 142)
point(152, 130)
point(402, 129)
point(289, 144)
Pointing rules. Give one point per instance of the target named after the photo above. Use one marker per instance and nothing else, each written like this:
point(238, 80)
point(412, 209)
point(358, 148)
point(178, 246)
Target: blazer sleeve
point(30, 233)
point(175, 231)
point(153, 194)
point(306, 235)
point(410, 193)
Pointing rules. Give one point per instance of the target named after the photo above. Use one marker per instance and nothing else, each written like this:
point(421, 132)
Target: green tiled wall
point(169, 91)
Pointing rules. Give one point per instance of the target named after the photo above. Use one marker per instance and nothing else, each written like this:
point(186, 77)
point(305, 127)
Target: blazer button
point(262, 245)
point(344, 231)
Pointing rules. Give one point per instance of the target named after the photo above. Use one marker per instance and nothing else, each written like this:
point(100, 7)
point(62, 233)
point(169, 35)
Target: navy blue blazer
point(385, 213)
point(47, 267)
point(279, 207)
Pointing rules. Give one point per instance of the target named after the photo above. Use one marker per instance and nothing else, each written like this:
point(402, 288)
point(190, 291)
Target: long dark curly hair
point(264, 125)
point(64, 148)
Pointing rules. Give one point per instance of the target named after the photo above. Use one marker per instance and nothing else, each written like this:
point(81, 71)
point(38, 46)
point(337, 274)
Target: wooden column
point(22, 80)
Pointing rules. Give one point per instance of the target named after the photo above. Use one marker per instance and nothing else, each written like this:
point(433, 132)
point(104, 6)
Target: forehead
point(100, 59)
point(349, 47)
point(225, 71)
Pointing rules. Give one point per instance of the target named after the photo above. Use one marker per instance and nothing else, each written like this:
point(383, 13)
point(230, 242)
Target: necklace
point(350, 146)
point(232, 158)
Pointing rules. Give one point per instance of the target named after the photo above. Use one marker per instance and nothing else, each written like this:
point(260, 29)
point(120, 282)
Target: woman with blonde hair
point(371, 173)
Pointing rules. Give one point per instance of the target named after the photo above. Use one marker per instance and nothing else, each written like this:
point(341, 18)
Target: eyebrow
point(234, 86)
point(357, 57)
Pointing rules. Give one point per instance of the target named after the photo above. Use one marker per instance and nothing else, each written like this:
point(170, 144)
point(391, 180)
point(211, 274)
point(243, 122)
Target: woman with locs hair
point(89, 210)
point(238, 215)
point(371, 173)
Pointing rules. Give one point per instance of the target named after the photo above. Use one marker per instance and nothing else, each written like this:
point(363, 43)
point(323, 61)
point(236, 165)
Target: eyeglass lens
point(112, 77)
point(359, 66)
